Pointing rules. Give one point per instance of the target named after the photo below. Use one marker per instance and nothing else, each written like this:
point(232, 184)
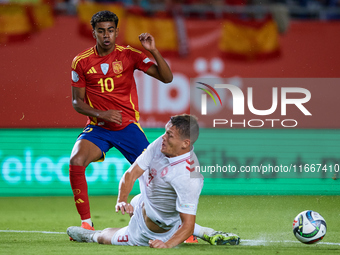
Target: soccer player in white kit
point(164, 214)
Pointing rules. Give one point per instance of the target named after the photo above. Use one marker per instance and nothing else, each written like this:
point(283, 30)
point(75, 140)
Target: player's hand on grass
point(157, 244)
point(147, 41)
point(124, 207)
point(114, 116)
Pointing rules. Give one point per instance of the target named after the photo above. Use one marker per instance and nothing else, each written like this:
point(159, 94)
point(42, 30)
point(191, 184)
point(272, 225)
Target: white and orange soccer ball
point(309, 227)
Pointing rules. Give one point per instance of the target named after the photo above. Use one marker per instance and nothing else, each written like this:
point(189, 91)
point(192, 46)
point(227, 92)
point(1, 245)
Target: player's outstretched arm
point(78, 95)
point(186, 230)
point(125, 187)
point(161, 71)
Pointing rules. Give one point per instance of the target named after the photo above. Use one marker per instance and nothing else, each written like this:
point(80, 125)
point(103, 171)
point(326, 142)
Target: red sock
point(79, 188)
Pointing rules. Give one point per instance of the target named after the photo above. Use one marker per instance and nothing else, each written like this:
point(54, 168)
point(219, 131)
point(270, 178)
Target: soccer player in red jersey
point(104, 89)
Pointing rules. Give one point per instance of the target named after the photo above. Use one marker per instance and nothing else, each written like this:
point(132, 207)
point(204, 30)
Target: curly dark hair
point(187, 126)
point(103, 16)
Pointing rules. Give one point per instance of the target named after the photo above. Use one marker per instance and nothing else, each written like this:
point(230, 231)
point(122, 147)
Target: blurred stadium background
point(231, 39)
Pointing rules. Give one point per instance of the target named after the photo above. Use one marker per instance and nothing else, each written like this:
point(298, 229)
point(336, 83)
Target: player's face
point(105, 33)
point(172, 144)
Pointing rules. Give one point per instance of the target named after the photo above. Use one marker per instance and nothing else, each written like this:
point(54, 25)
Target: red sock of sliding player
point(79, 188)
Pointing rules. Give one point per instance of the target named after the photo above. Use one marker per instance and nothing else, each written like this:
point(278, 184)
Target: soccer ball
point(309, 227)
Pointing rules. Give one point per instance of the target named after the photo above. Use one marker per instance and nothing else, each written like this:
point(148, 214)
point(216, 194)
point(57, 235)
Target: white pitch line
point(243, 241)
point(27, 231)
point(261, 242)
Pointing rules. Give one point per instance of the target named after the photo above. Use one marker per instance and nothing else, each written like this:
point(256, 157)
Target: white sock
point(89, 221)
point(95, 236)
point(200, 231)
point(197, 229)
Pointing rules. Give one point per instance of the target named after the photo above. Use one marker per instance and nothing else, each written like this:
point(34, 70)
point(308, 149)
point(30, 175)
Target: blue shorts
point(130, 141)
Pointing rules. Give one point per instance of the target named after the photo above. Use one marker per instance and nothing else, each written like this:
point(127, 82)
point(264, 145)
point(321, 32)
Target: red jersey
point(109, 82)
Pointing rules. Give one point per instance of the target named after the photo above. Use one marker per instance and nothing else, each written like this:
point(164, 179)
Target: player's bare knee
point(100, 239)
point(77, 160)
point(105, 236)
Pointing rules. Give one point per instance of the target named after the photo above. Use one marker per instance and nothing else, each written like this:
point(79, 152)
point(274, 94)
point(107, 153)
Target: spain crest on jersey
point(117, 67)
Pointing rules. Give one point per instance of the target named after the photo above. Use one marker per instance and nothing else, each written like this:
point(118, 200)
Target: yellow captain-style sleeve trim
point(121, 48)
point(133, 49)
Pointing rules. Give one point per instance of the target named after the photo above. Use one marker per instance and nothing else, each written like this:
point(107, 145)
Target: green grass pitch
point(264, 224)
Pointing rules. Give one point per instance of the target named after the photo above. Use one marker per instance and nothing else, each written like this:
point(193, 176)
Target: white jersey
point(169, 185)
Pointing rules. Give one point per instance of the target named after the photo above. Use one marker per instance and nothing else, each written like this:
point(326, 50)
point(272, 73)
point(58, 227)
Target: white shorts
point(137, 233)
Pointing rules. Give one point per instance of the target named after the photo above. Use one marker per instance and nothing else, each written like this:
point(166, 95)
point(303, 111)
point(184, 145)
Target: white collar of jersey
point(180, 158)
